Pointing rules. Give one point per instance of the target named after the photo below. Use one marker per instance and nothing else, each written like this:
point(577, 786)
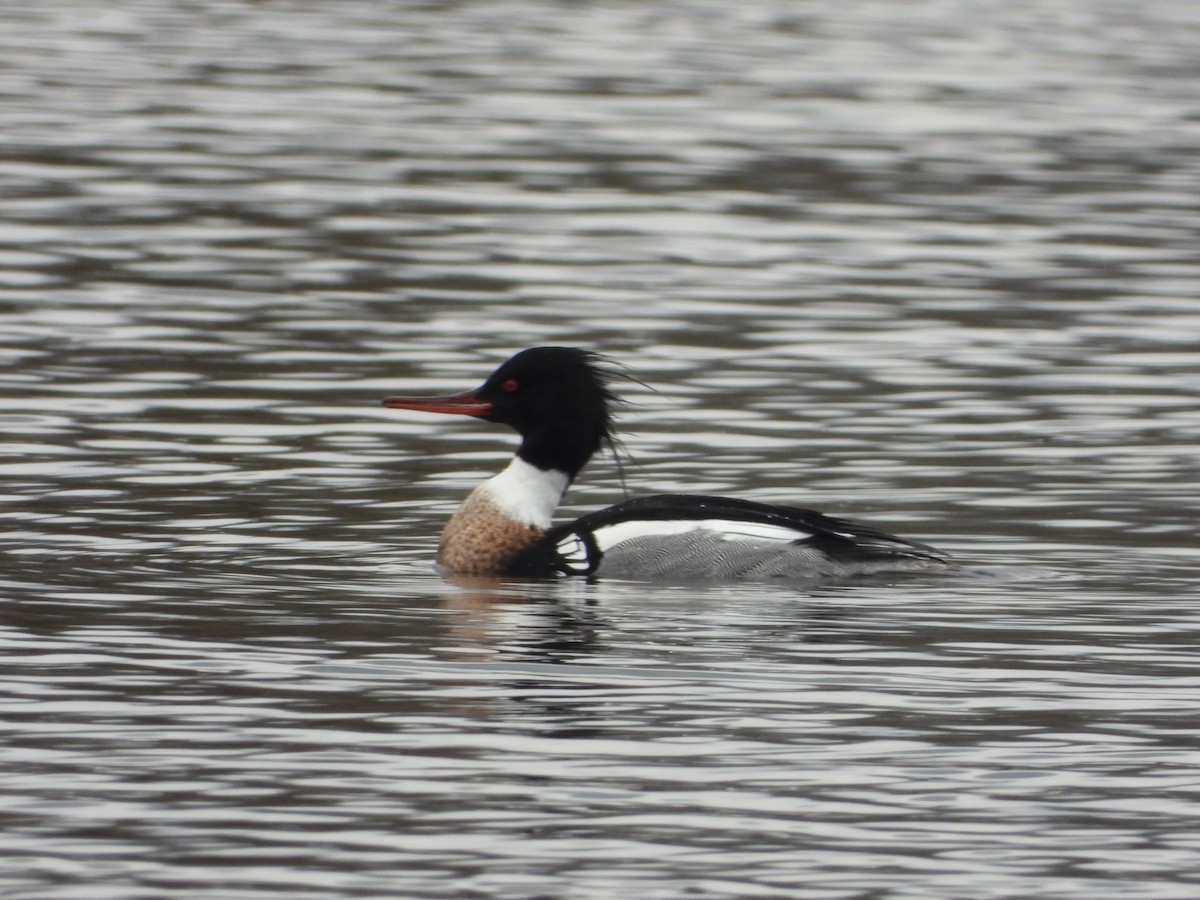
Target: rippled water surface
point(932, 264)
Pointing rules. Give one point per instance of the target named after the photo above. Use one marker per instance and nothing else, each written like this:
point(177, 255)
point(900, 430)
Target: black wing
point(800, 541)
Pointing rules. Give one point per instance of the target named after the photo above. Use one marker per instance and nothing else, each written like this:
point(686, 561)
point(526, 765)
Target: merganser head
point(556, 398)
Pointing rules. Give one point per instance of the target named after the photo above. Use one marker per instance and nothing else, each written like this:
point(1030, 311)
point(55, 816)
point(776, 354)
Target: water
point(931, 264)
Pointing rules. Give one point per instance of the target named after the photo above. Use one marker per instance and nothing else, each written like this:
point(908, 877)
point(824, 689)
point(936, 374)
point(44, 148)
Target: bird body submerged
point(559, 402)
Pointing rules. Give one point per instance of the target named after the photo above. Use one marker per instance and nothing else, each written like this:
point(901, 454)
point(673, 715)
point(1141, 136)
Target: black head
point(556, 398)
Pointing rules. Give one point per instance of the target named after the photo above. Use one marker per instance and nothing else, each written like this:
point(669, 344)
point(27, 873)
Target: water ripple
point(934, 276)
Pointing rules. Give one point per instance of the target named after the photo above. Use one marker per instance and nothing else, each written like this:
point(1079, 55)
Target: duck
point(560, 401)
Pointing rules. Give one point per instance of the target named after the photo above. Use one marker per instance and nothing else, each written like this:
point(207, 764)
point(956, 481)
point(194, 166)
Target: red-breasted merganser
point(558, 400)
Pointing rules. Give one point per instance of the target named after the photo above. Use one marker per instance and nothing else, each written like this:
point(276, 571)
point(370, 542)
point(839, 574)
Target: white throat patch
point(527, 494)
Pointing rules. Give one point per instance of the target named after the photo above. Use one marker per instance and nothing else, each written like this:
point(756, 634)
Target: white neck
point(527, 494)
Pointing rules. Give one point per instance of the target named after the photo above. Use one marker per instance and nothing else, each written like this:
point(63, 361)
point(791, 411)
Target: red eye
point(510, 386)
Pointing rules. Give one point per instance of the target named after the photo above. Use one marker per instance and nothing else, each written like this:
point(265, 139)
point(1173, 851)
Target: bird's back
point(702, 538)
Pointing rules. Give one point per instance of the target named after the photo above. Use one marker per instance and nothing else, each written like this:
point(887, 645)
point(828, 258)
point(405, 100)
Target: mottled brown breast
point(479, 539)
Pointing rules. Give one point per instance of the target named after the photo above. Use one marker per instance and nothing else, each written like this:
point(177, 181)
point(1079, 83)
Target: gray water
point(930, 264)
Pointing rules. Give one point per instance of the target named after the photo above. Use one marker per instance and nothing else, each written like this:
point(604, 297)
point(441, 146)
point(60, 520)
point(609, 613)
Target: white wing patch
point(609, 536)
point(573, 550)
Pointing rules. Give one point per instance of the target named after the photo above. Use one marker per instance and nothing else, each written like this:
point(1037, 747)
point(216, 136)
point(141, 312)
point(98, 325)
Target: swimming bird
point(560, 402)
